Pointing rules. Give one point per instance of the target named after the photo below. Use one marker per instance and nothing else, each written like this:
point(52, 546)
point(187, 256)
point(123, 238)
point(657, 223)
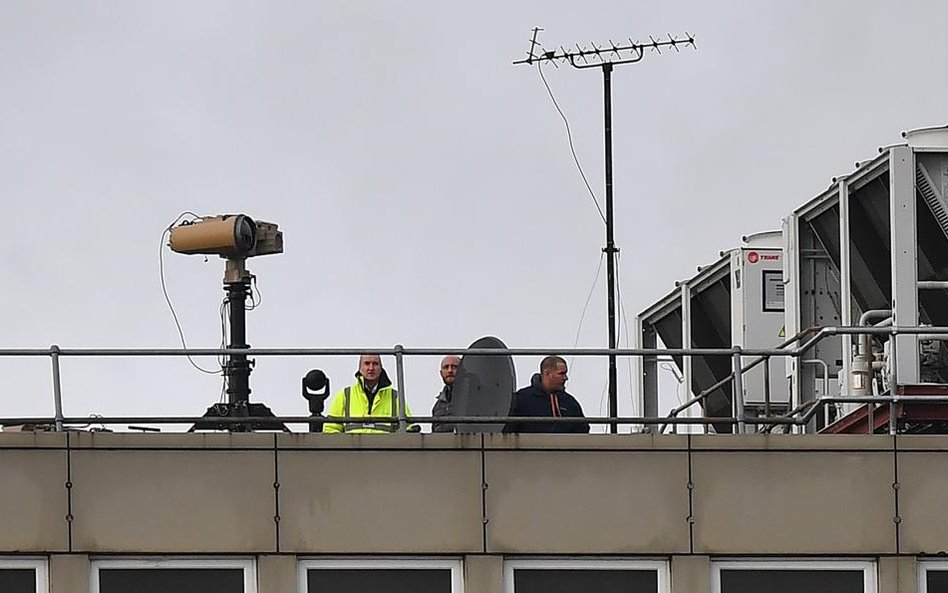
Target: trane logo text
point(754, 257)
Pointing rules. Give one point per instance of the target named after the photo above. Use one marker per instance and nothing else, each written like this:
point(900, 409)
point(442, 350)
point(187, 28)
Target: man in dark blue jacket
point(546, 396)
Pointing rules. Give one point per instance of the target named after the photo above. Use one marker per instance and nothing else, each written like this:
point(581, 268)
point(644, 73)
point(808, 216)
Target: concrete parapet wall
point(298, 495)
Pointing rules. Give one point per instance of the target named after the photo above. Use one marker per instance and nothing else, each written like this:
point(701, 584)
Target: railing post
point(737, 387)
point(893, 382)
point(57, 387)
point(767, 387)
point(400, 378)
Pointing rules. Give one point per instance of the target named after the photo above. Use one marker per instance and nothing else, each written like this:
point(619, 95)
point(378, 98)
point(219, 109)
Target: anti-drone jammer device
point(234, 237)
point(231, 236)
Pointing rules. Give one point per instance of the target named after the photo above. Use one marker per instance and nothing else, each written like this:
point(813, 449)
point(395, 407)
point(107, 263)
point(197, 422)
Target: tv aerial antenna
point(605, 57)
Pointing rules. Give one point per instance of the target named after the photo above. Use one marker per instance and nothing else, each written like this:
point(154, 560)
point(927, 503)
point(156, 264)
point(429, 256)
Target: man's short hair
point(365, 354)
point(549, 363)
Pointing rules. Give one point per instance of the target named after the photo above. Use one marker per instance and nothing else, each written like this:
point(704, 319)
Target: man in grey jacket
point(442, 407)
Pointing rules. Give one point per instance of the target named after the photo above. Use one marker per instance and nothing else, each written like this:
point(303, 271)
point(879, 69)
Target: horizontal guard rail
point(85, 421)
point(800, 416)
point(791, 352)
point(811, 408)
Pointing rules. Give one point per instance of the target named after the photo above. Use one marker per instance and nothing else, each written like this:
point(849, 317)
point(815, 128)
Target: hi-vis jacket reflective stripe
point(353, 402)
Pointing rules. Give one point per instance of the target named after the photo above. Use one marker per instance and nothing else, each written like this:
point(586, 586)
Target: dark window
point(792, 581)
point(389, 580)
point(167, 580)
point(17, 580)
point(585, 581)
point(936, 581)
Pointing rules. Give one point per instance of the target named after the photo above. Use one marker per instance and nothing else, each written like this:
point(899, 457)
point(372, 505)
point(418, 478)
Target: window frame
point(867, 567)
point(455, 565)
point(39, 565)
point(922, 568)
point(661, 566)
point(247, 565)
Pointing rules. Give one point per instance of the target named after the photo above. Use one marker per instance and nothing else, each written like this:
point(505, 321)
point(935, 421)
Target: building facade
point(306, 513)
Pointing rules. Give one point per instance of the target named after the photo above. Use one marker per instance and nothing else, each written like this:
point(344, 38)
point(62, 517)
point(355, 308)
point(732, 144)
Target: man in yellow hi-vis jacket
point(372, 394)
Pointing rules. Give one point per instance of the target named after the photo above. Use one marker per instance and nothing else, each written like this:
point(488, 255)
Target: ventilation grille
point(932, 197)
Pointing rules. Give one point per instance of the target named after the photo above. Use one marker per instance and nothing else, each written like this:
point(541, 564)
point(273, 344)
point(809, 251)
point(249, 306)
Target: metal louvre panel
point(932, 234)
point(932, 265)
point(711, 328)
point(930, 193)
point(870, 251)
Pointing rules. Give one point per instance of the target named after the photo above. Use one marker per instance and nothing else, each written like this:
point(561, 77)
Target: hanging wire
point(670, 368)
point(582, 316)
point(572, 149)
point(602, 403)
point(625, 322)
point(255, 301)
point(222, 360)
point(94, 424)
point(164, 289)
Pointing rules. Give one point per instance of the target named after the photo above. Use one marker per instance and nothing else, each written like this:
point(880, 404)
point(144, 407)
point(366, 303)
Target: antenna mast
point(605, 57)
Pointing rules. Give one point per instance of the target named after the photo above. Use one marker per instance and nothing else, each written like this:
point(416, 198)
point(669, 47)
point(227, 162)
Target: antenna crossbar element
point(594, 56)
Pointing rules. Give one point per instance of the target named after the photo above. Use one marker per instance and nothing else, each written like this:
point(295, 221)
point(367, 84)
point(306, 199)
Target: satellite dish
point(483, 386)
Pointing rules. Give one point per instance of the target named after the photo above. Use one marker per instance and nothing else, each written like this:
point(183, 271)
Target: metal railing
point(765, 359)
point(800, 416)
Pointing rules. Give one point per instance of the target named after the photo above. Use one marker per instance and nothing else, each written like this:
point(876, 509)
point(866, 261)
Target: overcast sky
point(423, 183)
